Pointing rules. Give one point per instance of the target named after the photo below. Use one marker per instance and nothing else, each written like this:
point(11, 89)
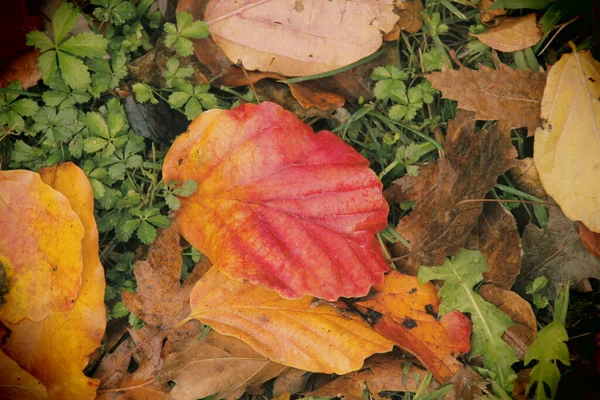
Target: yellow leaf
point(56, 350)
point(40, 248)
point(298, 333)
point(567, 147)
point(16, 383)
point(512, 34)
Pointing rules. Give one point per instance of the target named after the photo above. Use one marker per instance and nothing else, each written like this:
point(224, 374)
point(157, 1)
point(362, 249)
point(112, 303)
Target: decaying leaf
point(512, 34)
point(16, 383)
point(526, 178)
point(488, 15)
point(591, 240)
point(406, 312)
point(567, 147)
point(220, 365)
point(511, 96)
point(24, 69)
point(460, 274)
point(521, 335)
point(497, 237)
point(42, 255)
point(279, 205)
point(55, 350)
point(557, 253)
point(438, 227)
point(290, 381)
point(289, 36)
point(409, 18)
point(466, 385)
point(381, 373)
point(298, 333)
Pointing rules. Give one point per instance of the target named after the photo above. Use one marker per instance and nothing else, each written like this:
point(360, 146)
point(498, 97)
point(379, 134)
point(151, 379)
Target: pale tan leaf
point(299, 37)
point(512, 34)
point(567, 147)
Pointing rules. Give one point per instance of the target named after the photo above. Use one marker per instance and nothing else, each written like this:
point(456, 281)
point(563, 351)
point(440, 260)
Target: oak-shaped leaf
point(406, 312)
point(278, 205)
point(55, 350)
point(438, 226)
point(40, 248)
point(513, 97)
point(460, 274)
point(302, 333)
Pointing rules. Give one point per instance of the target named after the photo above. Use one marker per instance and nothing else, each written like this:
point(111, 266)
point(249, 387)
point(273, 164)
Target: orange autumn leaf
point(512, 34)
point(299, 333)
point(406, 312)
point(16, 383)
point(55, 350)
point(278, 205)
point(40, 249)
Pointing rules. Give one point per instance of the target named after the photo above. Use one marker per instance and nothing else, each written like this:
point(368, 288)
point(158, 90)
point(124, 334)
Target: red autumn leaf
point(279, 205)
point(406, 312)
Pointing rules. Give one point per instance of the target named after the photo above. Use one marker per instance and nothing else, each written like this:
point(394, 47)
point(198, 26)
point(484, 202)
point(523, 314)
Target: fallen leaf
point(228, 366)
point(557, 253)
point(42, 255)
point(297, 333)
point(24, 69)
point(15, 23)
point(55, 350)
point(409, 18)
point(438, 227)
point(465, 385)
point(288, 209)
point(511, 96)
point(161, 300)
point(521, 335)
point(460, 274)
point(497, 237)
point(525, 177)
point(591, 240)
point(288, 36)
point(406, 312)
point(381, 373)
point(512, 34)
point(310, 94)
point(17, 384)
point(290, 381)
point(567, 148)
point(157, 122)
point(488, 15)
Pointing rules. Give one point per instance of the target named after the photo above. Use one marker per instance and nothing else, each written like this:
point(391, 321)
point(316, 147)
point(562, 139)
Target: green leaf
point(39, 40)
point(87, 44)
point(96, 124)
point(184, 20)
point(397, 112)
point(63, 21)
point(146, 233)
point(187, 189)
point(48, 65)
point(143, 93)
point(160, 221)
point(178, 99)
point(171, 32)
point(94, 144)
point(197, 30)
point(172, 202)
point(73, 71)
point(548, 347)
point(119, 310)
point(540, 301)
point(460, 274)
point(538, 284)
point(193, 108)
point(184, 47)
point(123, 12)
point(25, 107)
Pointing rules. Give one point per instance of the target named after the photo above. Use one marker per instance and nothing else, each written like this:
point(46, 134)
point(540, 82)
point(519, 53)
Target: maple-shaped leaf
point(406, 312)
point(228, 366)
point(278, 205)
point(513, 97)
point(56, 349)
point(460, 274)
point(438, 227)
point(303, 333)
point(40, 248)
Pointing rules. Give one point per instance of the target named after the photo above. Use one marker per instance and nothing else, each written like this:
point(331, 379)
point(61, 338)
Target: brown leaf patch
point(591, 240)
point(290, 381)
point(511, 96)
point(497, 237)
point(512, 34)
point(526, 178)
point(488, 15)
point(409, 18)
point(438, 227)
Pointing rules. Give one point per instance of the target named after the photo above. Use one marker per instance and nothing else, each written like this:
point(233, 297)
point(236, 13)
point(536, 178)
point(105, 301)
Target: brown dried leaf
point(23, 69)
point(488, 15)
point(512, 34)
point(511, 96)
point(497, 237)
point(290, 381)
point(521, 335)
point(557, 253)
point(438, 227)
point(219, 364)
point(466, 385)
point(310, 94)
point(526, 178)
point(410, 19)
point(591, 240)
point(381, 373)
